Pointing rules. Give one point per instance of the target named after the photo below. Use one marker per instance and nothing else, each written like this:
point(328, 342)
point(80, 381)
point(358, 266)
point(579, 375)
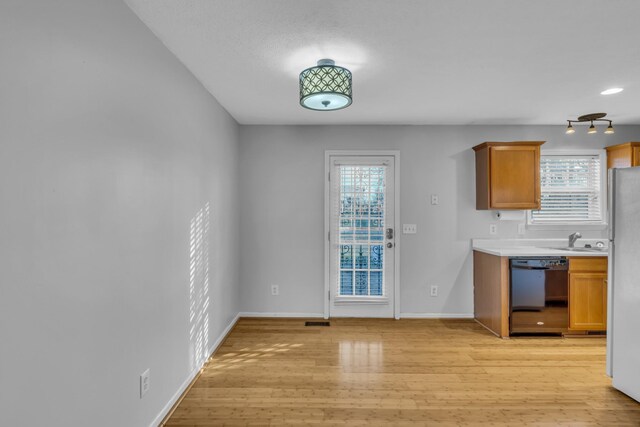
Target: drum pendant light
point(325, 87)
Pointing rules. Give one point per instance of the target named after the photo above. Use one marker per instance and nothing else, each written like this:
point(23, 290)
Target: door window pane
point(361, 230)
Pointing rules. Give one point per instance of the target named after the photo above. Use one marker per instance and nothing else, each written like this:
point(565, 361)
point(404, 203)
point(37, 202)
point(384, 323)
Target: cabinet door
point(515, 177)
point(636, 156)
point(588, 301)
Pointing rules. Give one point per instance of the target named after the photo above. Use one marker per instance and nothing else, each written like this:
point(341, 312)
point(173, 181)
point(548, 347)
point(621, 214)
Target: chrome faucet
point(573, 237)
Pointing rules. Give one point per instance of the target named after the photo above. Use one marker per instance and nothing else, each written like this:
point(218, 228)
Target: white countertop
point(535, 247)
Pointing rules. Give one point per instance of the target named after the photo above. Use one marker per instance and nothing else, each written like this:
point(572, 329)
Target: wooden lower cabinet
point(491, 292)
point(588, 294)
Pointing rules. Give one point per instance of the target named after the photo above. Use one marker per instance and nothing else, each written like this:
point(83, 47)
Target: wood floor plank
point(377, 372)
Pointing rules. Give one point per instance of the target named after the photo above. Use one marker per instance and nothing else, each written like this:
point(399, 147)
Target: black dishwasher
point(539, 295)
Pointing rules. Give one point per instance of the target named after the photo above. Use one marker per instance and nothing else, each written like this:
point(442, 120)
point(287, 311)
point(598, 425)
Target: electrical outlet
point(493, 228)
point(409, 228)
point(144, 383)
point(521, 229)
point(275, 290)
point(434, 291)
point(435, 199)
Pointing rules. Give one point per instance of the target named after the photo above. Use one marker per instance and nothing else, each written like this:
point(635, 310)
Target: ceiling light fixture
point(325, 87)
point(570, 128)
point(593, 117)
point(611, 91)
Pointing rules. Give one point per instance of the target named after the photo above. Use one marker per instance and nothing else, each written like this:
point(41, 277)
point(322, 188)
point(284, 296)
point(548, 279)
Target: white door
point(362, 236)
point(624, 287)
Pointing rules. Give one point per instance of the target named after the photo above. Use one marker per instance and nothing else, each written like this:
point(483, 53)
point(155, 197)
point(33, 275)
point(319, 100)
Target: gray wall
point(109, 148)
point(282, 197)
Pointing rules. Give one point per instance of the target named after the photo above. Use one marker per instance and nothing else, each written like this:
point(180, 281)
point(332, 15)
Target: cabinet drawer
point(593, 264)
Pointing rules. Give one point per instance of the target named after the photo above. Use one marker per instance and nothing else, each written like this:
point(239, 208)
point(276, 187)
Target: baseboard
point(402, 315)
point(436, 315)
point(186, 384)
point(261, 314)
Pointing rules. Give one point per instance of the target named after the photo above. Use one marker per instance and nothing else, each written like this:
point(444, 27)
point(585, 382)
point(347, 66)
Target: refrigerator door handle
point(611, 187)
point(610, 285)
point(611, 202)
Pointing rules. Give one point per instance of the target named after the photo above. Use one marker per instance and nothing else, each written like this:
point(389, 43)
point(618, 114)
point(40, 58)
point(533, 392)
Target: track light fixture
point(593, 117)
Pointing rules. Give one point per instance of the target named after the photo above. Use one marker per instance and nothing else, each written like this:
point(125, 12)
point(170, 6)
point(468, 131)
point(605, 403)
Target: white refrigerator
point(623, 331)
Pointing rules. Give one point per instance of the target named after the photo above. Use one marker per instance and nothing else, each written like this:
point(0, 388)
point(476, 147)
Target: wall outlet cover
point(434, 291)
point(275, 290)
point(435, 199)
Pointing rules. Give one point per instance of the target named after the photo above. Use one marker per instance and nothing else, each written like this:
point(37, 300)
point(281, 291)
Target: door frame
point(327, 222)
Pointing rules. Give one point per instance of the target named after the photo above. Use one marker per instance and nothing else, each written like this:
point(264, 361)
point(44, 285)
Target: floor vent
point(317, 324)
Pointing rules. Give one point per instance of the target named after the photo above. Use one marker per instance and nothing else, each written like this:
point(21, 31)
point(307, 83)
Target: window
point(572, 189)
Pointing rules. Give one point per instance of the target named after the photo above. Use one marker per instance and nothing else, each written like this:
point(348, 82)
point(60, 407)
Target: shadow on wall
point(469, 220)
point(199, 288)
point(462, 289)
point(469, 224)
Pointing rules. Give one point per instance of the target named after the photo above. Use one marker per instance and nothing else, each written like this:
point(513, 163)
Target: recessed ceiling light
point(611, 91)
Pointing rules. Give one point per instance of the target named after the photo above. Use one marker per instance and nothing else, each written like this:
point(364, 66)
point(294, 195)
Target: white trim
point(327, 223)
point(260, 314)
point(436, 315)
point(165, 410)
point(573, 226)
point(361, 300)
point(327, 228)
point(398, 238)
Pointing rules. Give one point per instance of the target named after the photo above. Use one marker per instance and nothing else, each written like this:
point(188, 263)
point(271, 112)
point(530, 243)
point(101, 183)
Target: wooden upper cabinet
point(508, 175)
point(623, 155)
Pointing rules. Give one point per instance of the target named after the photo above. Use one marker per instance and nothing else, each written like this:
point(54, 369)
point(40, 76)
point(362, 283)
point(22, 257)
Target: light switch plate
point(409, 228)
point(144, 383)
point(493, 228)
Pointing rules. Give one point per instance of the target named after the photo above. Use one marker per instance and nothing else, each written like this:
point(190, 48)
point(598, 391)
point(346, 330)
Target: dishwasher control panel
point(533, 263)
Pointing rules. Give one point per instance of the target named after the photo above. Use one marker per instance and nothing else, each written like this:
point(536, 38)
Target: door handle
point(389, 233)
point(389, 245)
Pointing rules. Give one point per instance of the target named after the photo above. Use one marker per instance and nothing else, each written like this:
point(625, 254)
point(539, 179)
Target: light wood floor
point(402, 372)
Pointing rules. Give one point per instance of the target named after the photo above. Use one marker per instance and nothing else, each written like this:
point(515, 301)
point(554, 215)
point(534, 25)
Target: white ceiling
point(413, 62)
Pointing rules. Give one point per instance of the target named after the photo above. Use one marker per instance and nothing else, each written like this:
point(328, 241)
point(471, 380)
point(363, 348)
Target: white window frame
point(602, 225)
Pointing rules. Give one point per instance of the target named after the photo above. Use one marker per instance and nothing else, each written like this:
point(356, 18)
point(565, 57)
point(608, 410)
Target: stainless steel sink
point(582, 249)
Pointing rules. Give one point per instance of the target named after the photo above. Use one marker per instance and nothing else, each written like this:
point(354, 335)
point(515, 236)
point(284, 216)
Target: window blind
point(360, 212)
point(570, 190)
